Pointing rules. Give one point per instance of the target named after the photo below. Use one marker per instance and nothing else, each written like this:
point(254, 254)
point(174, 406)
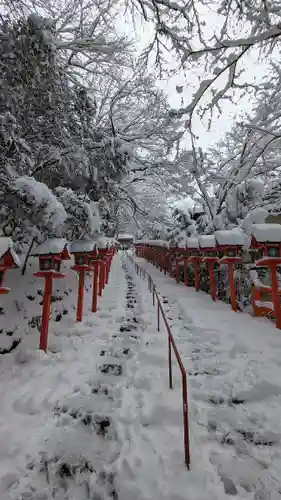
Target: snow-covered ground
point(234, 367)
point(94, 419)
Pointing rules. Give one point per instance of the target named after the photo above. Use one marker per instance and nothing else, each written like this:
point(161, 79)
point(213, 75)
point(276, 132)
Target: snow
point(232, 258)
point(82, 246)
point(261, 303)
point(71, 430)
point(5, 245)
point(207, 241)
point(125, 237)
point(233, 366)
point(266, 233)
point(156, 243)
point(52, 246)
point(230, 237)
point(192, 243)
point(39, 196)
point(102, 243)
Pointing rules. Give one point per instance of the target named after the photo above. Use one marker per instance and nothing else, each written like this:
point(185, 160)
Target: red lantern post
point(266, 241)
point(51, 253)
point(8, 260)
point(82, 250)
point(229, 244)
point(94, 263)
point(208, 249)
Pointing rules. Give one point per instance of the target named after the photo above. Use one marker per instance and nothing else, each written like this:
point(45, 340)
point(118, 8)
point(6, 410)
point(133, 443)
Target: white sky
point(253, 71)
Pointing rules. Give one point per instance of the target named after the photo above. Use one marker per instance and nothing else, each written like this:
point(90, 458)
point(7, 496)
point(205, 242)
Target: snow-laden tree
point(213, 40)
point(79, 140)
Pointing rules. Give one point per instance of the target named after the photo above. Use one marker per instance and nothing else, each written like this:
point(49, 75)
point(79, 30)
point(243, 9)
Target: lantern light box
point(8, 260)
point(207, 245)
point(51, 253)
point(266, 238)
point(192, 246)
point(230, 242)
point(84, 251)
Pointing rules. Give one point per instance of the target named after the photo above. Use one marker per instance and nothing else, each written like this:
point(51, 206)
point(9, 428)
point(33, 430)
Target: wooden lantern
point(266, 242)
point(208, 248)
point(82, 250)
point(51, 253)
point(8, 260)
point(230, 244)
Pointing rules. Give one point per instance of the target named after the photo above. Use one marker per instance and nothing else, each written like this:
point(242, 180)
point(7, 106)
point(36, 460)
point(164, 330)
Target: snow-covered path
point(95, 420)
point(60, 430)
point(234, 367)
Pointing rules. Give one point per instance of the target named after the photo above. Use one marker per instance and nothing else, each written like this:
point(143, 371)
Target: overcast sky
point(190, 80)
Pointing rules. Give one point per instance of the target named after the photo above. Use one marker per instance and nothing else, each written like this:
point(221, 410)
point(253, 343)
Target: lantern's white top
point(82, 246)
point(266, 233)
point(52, 246)
point(192, 243)
point(5, 245)
point(233, 237)
point(158, 243)
point(125, 236)
point(207, 241)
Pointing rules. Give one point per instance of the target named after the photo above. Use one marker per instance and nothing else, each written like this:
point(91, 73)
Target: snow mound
point(266, 233)
point(207, 241)
point(192, 243)
point(231, 237)
point(82, 246)
point(52, 246)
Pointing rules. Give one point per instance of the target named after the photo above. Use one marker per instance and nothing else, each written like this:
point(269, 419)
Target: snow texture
point(230, 237)
point(266, 233)
point(52, 246)
point(192, 243)
point(233, 366)
point(125, 237)
point(82, 246)
point(39, 195)
point(207, 241)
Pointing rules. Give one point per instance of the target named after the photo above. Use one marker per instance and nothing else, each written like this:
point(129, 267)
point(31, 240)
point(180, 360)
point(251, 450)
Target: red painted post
point(177, 271)
point(170, 364)
point(95, 287)
point(272, 265)
point(80, 298)
point(185, 420)
point(275, 294)
point(232, 287)
point(185, 272)
point(46, 313)
point(196, 277)
point(101, 277)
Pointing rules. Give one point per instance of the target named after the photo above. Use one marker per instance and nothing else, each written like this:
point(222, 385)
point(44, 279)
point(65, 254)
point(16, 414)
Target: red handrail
point(171, 342)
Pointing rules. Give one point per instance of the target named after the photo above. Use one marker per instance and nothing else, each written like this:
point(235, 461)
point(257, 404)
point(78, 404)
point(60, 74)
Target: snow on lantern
point(51, 253)
point(208, 248)
point(193, 250)
point(266, 240)
point(82, 250)
point(229, 244)
point(8, 260)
